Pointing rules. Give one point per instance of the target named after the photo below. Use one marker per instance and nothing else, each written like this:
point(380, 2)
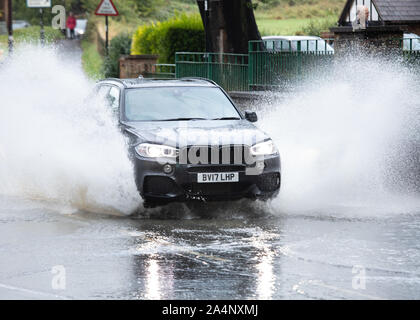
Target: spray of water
point(349, 137)
point(54, 146)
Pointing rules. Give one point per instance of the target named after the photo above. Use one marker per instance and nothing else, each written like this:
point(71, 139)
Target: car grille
point(216, 168)
point(233, 155)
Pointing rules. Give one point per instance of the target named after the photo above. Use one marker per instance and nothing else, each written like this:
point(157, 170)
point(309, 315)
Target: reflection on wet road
point(206, 256)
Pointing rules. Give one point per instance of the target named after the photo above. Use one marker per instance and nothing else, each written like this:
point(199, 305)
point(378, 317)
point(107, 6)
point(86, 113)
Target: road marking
point(321, 284)
point(39, 293)
point(349, 291)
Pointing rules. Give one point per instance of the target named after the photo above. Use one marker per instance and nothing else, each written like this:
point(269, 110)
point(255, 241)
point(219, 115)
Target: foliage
point(299, 9)
point(120, 45)
point(265, 4)
point(180, 33)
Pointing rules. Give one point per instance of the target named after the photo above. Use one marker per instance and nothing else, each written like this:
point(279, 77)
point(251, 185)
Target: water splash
point(349, 137)
point(53, 146)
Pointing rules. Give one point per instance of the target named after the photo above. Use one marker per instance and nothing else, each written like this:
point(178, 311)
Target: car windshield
point(178, 103)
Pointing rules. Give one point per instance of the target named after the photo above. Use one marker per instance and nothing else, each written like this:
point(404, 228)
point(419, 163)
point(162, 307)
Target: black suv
point(188, 141)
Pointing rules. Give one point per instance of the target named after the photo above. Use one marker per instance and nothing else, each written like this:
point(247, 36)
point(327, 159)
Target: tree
point(229, 25)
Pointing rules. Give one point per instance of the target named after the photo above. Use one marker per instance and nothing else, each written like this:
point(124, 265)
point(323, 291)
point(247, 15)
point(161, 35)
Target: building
point(386, 23)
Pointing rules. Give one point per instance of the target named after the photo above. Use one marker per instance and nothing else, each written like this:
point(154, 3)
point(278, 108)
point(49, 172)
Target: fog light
point(260, 165)
point(167, 168)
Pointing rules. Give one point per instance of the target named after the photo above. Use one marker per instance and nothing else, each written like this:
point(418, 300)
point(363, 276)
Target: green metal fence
point(280, 62)
point(272, 63)
point(162, 71)
point(230, 71)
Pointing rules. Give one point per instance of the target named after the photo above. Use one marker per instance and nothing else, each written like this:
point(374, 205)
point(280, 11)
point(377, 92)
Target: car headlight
point(149, 150)
point(264, 148)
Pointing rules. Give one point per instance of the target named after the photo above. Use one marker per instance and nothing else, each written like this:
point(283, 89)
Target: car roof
point(291, 38)
point(143, 82)
point(410, 35)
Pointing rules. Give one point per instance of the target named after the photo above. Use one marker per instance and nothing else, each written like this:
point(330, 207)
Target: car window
point(282, 45)
point(114, 99)
point(102, 91)
point(411, 42)
point(310, 46)
point(166, 103)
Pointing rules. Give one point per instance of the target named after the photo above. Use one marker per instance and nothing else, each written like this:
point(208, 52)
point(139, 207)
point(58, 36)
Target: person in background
point(71, 24)
point(362, 18)
point(366, 16)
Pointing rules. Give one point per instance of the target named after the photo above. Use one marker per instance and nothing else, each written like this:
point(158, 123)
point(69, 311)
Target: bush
point(180, 33)
point(120, 45)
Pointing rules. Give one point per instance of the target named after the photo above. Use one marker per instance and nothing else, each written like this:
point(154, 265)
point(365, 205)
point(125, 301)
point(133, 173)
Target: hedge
point(120, 45)
point(182, 33)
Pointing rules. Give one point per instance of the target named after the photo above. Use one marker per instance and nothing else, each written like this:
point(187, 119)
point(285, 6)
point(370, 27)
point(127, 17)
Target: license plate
point(218, 177)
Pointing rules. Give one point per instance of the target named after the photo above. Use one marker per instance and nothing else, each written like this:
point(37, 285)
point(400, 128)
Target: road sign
point(106, 8)
point(38, 3)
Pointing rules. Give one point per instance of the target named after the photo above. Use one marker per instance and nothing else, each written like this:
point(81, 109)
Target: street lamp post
point(206, 24)
point(9, 24)
point(41, 23)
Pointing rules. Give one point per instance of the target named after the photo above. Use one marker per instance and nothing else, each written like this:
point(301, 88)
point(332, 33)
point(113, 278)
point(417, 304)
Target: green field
point(307, 26)
point(32, 34)
point(281, 27)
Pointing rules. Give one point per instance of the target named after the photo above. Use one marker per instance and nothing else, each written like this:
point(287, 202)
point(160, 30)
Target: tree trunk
point(229, 25)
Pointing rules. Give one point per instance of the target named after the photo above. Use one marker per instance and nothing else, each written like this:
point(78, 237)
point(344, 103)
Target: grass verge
point(92, 61)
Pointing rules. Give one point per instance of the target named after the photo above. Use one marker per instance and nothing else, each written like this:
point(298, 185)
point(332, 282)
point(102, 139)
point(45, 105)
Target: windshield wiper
point(228, 118)
point(184, 119)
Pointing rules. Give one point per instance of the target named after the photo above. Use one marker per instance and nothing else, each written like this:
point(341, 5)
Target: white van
point(292, 43)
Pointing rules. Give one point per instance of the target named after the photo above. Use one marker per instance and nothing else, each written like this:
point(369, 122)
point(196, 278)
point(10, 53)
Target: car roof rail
point(121, 81)
point(198, 78)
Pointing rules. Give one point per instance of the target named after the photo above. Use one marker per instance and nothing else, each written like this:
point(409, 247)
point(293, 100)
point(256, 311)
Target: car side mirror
point(251, 116)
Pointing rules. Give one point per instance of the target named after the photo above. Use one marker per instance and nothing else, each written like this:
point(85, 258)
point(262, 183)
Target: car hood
point(199, 133)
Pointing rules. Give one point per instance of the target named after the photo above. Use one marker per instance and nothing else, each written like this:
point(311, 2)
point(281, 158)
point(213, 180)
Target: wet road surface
point(236, 251)
point(210, 255)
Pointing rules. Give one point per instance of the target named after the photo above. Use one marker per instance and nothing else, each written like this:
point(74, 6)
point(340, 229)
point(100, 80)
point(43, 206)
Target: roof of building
point(391, 10)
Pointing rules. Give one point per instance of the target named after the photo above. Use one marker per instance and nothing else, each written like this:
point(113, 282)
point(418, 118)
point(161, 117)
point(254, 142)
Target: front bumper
point(181, 185)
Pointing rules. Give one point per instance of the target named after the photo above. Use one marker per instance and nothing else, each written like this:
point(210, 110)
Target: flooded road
point(343, 227)
point(190, 256)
